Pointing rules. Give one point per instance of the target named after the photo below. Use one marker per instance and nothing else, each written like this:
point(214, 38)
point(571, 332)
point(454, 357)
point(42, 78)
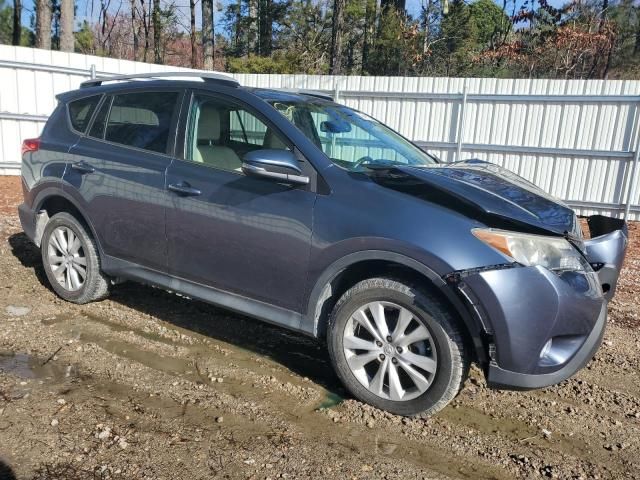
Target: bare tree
point(66, 25)
point(194, 48)
point(43, 24)
point(17, 23)
point(207, 33)
point(146, 26)
point(157, 32)
point(134, 30)
point(337, 31)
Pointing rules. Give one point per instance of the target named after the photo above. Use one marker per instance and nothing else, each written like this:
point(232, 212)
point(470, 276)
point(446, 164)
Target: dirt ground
point(151, 385)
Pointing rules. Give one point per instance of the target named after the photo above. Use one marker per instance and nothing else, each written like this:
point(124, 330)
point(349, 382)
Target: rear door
point(240, 234)
point(117, 172)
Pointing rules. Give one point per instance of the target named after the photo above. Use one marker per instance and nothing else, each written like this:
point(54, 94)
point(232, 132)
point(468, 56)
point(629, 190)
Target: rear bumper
point(28, 221)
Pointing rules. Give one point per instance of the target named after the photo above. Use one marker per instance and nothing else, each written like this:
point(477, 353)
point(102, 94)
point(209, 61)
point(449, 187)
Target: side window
point(141, 120)
point(80, 112)
point(221, 132)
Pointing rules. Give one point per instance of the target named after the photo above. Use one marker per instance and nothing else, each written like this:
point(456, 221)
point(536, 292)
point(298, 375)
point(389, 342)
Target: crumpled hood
point(494, 191)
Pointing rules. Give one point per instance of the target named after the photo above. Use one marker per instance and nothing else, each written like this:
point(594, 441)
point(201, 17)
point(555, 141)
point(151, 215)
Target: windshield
point(351, 139)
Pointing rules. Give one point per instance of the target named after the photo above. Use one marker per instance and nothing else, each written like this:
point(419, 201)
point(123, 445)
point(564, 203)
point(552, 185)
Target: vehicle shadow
point(6, 472)
point(302, 355)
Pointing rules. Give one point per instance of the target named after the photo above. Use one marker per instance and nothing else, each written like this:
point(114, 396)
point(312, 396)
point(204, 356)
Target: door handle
point(83, 167)
point(184, 189)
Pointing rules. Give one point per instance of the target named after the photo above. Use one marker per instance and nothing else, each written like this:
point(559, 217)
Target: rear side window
point(141, 120)
point(80, 112)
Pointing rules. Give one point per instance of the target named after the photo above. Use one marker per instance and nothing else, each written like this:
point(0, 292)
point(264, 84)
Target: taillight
point(30, 145)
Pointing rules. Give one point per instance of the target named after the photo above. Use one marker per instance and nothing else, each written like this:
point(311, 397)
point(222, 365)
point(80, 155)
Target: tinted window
point(141, 120)
point(97, 129)
point(80, 112)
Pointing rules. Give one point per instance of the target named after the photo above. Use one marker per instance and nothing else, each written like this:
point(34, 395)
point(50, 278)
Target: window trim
point(70, 123)
point(173, 128)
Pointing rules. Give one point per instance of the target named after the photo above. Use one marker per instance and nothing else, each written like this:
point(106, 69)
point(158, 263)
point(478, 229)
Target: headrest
point(271, 140)
point(209, 123)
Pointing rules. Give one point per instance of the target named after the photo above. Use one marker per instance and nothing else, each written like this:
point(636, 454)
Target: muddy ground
point(151, 385)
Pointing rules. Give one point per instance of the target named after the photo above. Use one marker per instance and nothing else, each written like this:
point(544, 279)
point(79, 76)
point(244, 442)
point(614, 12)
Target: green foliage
point(256, 64)
point(6, 22)
point(85, 39)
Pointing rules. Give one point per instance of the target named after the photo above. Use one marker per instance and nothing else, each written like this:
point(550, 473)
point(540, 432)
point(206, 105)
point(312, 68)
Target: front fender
point(322, 290)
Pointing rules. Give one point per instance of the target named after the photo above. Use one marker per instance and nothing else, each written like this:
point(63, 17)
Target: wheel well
point(52, 205)
point(57, 204)
point(363, 270)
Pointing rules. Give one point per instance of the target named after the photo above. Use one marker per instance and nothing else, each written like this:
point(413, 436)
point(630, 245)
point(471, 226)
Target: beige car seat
point(207, 151)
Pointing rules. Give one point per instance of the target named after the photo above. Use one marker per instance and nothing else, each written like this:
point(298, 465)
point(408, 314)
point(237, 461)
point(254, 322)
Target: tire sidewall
point(66, 220)
point(424, 312)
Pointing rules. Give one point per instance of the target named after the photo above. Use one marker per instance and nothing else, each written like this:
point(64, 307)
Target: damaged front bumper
point(542, 327)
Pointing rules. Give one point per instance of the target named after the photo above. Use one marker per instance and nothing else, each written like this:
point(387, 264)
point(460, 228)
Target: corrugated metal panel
point(575, 139)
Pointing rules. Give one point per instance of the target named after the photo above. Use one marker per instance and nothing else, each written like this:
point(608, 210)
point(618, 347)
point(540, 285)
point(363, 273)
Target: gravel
point(148, 384)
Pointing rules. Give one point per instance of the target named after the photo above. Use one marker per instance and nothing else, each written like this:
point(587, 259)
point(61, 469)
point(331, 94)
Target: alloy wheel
point(67, 259)
point(389, 351)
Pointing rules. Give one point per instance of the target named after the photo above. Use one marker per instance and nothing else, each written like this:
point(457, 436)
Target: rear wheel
point(397, 347)
point(71, 261)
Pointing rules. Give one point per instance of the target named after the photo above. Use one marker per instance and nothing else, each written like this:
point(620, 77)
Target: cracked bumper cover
point(546, 326)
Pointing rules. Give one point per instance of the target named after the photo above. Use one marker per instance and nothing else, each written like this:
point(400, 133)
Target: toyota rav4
point(299, 211)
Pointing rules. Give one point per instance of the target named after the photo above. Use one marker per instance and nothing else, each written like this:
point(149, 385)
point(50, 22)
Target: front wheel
point(397, 347)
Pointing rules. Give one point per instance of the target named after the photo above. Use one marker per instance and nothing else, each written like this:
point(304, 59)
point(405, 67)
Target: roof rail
point(206, 76)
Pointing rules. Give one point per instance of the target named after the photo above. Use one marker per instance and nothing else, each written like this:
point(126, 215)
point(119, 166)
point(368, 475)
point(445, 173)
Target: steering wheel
point(361, 160)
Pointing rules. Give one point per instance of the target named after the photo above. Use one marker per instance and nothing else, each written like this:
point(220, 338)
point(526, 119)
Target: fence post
point(336, 89)
point(631, 187)
point(460, 133)
point(92, 71)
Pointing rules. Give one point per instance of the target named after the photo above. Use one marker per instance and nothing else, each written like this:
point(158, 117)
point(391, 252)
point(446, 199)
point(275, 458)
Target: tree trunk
point(134, 30)
point(43, 24)
point(335, 62)
point(369, 23)
point(157, 32)
point(636, 47)
point(207, 33)
point(266, 28)
point(252, 39)
point(194, 48)
point(145, 26)
point(66, 25)
point(16, 34)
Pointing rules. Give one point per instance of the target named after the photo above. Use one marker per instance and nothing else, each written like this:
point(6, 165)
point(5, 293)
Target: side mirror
point(275, 164)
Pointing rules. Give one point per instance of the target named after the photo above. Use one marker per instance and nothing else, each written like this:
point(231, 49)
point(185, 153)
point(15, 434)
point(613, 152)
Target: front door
point(240, 234)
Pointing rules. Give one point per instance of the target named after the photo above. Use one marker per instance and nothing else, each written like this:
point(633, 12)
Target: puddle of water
point(330, 400)
point(26, 366)
point(483, 423)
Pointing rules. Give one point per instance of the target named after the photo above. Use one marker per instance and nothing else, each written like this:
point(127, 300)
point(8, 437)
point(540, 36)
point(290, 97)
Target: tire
point(440, 356)
point(94, 285)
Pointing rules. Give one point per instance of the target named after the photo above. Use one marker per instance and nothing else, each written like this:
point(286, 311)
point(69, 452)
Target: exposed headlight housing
point(553, 253)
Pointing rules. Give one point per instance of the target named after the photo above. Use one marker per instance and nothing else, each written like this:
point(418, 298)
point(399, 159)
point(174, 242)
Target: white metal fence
point(577, 139)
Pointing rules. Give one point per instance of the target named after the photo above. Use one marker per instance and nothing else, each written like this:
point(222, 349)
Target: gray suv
point(299, 211)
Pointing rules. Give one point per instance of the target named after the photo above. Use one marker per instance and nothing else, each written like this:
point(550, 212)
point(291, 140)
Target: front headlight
point(553, 253)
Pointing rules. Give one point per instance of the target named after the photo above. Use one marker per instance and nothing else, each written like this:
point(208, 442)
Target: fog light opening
point(546, 349)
